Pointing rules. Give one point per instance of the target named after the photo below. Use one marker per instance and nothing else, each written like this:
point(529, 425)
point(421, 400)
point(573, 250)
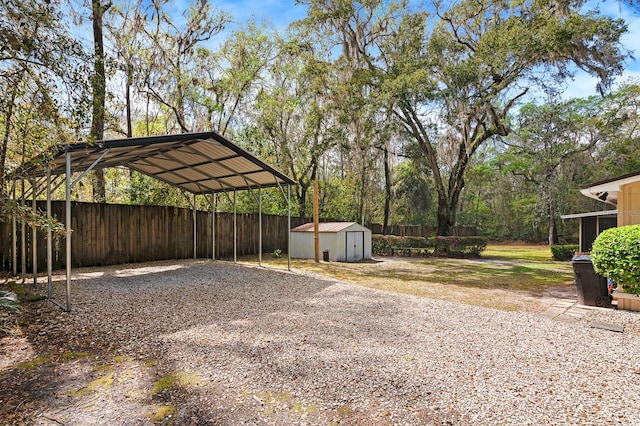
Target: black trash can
point(325, 255)
point(591, 287)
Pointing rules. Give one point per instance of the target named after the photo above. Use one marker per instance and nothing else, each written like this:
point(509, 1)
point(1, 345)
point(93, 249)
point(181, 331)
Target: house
point(622, 192)
point(339, 241)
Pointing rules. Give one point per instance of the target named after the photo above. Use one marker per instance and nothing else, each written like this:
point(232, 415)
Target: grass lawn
point(509, 277)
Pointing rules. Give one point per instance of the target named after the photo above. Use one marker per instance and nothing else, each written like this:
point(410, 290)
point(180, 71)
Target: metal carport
point(204, 163)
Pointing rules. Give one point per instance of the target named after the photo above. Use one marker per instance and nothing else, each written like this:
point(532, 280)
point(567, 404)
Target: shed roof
point(607, 190)
point(328, 227)
point(200, 163)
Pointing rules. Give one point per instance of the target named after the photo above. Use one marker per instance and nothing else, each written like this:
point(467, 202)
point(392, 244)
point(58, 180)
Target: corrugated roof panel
point(183, 157)
point(192, 174)
point(213, 150)
point(214, 169)
point(241, 165)
point(148, 169)
point(161, 163)
point(263, 178)
point(234, 182)
point(214, 185)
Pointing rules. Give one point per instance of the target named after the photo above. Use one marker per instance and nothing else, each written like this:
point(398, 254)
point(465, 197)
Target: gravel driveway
point(249, 345)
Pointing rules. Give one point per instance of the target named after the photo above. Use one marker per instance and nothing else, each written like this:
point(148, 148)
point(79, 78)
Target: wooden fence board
point(107, 234)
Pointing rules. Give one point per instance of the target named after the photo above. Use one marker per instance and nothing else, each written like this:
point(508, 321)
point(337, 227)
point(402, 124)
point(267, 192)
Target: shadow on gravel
point(113, 336)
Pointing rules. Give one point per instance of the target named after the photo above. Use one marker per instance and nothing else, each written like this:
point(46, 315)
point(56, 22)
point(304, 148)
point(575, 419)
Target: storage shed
point(344, 241)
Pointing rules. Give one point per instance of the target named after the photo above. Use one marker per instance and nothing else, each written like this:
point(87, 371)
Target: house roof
point(328, 227)
point(607, 190)
point(200, 163)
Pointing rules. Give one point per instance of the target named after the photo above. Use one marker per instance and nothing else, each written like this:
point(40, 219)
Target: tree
point(453, 86)
point(294, 114)
point(231, 75)
point(620, 156)
point(170, 68)
point(357, 28)
point(546, 141)
point(99, 89)
point(125, 33)
point(42, 82)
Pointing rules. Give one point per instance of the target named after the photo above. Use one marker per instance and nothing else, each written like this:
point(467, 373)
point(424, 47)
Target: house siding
point(629, 204)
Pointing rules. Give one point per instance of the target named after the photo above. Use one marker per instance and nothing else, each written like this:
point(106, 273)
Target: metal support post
point(213, 226)
point(68, 224)
point(195, 229)
point(34, 236)
point(289, 227)
point(14, 230)
point(49, 242)
point(23, 238)
point(235, 229)
point(260, 226)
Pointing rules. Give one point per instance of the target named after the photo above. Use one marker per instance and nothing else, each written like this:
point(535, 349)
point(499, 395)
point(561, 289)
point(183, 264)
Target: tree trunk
point(303, 188)
point(387, 191)
point(128, 100)
point(5, 139)
point(553, 231)
point(98, 84)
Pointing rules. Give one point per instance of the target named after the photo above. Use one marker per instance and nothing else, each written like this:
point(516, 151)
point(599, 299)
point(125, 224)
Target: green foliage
point(474, 64)
point(459, 246)
point(563, 252)
point(382, 244)
point(444, 246)
point(616, 254)
point(277, 253)
point(412, 194)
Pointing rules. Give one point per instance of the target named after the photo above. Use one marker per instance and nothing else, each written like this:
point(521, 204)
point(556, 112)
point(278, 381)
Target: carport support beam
point(289, 227)
point(260, 226)
point(68, 223)
point(23, 238)
point(34, 236)
point(15, 234)
point(195, 229)
point(235, 229)
point(213, 225)
point(49, 242)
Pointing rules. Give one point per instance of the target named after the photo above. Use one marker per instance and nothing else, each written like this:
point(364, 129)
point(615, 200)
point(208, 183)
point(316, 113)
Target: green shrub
point(459, 246)
point(382, 244)
point(563, 252)
point(446, 246)
point(616, 254)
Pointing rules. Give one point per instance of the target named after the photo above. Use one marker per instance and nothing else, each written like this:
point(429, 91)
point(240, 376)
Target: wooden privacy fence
point(109, 234)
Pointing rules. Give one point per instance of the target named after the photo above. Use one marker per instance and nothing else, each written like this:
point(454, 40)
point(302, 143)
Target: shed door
point(355, 246)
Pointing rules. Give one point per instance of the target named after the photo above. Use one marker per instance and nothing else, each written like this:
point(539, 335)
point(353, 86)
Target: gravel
point(275, 347)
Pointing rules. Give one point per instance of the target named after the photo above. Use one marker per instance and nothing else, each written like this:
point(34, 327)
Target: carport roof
point(201, 163)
